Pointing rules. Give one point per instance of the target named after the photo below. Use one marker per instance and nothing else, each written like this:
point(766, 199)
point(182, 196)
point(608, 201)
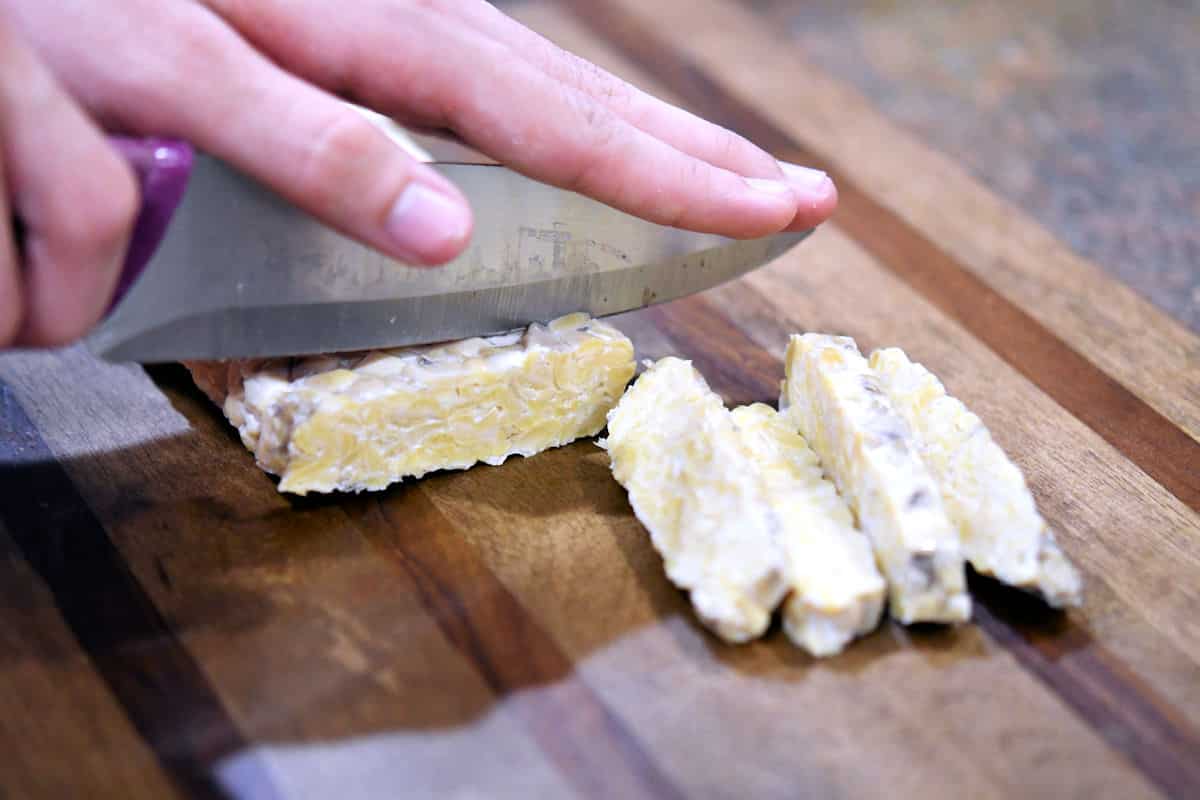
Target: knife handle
point(162, 167)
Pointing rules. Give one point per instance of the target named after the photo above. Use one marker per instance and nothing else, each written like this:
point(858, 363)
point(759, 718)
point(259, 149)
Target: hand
point(256, 83)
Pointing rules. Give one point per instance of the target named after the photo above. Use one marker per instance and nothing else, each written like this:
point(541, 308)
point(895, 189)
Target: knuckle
point(606, 131)
point(730, 145)
point(344, 144)
point(614, 93)
point(671, 205)
point(195, 45)
point(150, 79)
point(99, 217)
point(674, 218)
point(590, 172)
point(590, 151)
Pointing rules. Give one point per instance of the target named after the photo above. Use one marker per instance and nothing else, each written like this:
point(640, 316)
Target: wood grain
point(181, 629)
point(310, 638)
point(765, 708)
point(156, 682)
point(593, 748)
point(1098, 687)
point(54, 702)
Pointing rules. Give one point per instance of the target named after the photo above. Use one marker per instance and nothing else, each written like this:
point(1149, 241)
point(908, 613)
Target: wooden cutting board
point(172, 626)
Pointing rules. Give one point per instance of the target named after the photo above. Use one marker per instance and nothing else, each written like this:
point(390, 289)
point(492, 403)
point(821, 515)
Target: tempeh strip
point(835, 400)
point(354, 422)
point(691, 481)
point(837, 591)
point(985, 494)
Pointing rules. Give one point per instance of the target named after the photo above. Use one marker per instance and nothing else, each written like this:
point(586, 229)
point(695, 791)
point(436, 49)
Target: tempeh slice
point(836, 402)
point(692, 482)
point(837, 591)
point(354, 422)
point(985, 494)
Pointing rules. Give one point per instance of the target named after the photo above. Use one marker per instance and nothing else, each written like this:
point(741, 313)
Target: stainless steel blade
point(241, 273)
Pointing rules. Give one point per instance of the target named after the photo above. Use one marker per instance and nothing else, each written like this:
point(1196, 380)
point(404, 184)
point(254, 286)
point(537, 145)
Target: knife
point(220, 267)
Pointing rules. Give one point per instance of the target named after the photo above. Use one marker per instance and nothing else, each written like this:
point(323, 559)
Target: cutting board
point(172, 626)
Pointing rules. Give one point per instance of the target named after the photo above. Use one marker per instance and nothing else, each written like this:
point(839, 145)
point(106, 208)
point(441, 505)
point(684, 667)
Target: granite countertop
point(1085, 114)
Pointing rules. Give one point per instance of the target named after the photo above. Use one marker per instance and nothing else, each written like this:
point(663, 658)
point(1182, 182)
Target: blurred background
point(1084, 112)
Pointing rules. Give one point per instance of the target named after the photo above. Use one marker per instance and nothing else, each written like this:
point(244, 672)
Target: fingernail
point(804, 178)
point(767, 185)
point(426, 224)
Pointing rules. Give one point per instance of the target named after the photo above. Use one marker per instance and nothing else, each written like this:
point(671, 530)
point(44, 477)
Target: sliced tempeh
point(835, 400)
point(692, 483)
point(362, 421)
point(837, 591)
point(985, 494)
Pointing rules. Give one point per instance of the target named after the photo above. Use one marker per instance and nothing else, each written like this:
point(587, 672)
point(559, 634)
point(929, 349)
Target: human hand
point(256, 83)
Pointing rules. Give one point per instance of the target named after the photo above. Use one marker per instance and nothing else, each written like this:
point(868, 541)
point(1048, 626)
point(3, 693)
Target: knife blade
point(241, 273)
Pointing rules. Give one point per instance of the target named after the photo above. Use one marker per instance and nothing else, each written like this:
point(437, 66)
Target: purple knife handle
point(162, 167)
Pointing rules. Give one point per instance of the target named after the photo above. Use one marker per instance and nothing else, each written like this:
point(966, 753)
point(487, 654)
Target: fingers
point(680, 129)
point(207, 85)
point(330, 160)
point(815, 192)
point(414, 64)
point(76, 200)
point(574, 143)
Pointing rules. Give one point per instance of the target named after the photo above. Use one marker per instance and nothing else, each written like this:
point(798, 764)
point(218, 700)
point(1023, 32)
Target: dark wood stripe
point(1159, 447)
point(718, 349)
point(133, 649)
point(1122, 709)
point(1115, 703)
point(591, 747)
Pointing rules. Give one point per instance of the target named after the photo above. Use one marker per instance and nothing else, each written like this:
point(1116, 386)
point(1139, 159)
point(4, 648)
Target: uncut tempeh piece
point(836, 402)
point(985, 494)
point(837, 591)
point(356, 422)
point(692, 483)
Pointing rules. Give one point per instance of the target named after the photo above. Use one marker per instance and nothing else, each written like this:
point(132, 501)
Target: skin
point(257, 83)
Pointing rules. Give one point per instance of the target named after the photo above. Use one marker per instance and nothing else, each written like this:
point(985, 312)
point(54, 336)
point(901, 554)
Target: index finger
point(412, 64)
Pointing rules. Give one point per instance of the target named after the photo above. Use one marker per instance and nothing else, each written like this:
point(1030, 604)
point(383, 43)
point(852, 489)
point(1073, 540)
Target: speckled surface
point(1084, 112)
